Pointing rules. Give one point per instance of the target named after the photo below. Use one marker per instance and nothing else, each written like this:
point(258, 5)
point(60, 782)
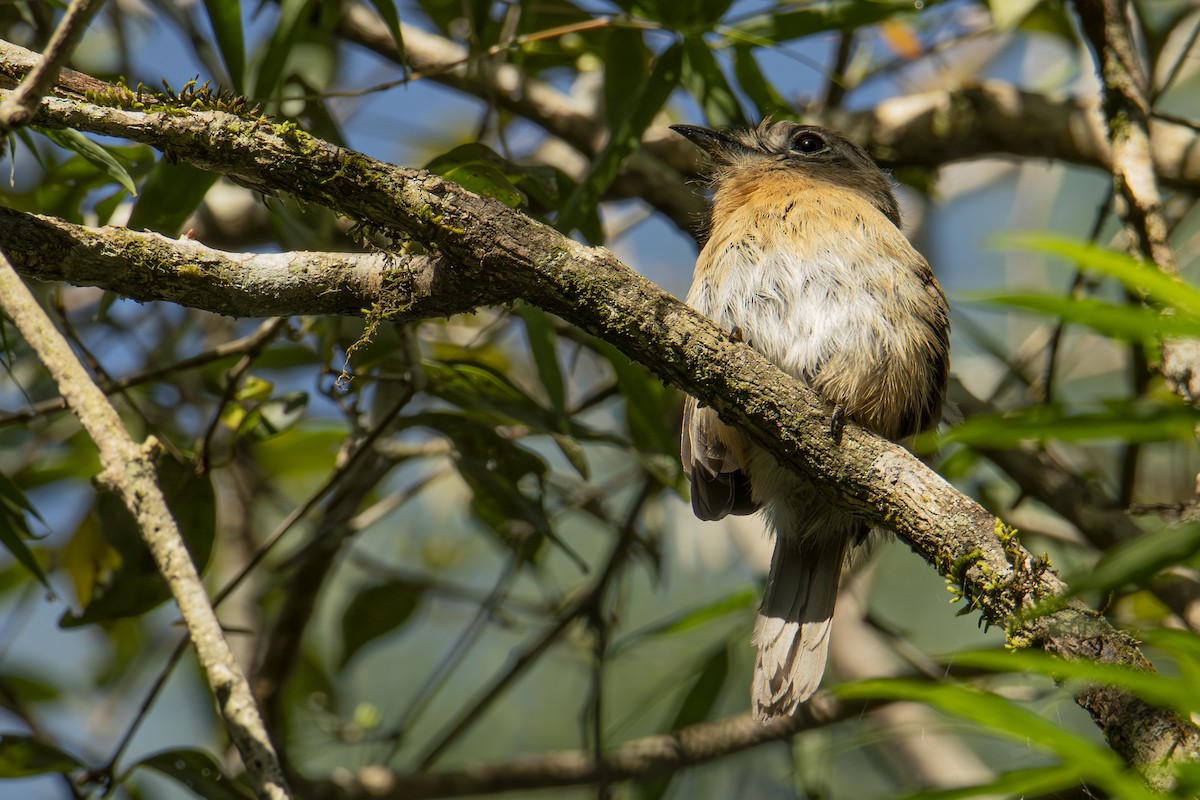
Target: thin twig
point(17, 109)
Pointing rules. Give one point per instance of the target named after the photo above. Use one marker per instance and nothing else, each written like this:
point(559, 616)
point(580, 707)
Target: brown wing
point(719, 485)
point(939, 322)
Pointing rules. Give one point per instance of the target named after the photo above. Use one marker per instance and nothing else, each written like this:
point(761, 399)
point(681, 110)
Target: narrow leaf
point(1118, 320)
point(1133, 274)
point(199, 772)
point(22, 756)
point(375, 612)
point(704, 79)
point(11, 540)
point(1138, 559)
point(1093, 762)
point(543, 349)
point(1130, 422)
point(94, 153)
point(170, 194)
point(765, 97)
point(225, 16)
point(648, 100)
point(387, 10)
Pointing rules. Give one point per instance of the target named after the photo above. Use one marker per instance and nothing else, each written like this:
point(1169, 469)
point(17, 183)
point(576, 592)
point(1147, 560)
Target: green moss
point(194, 96)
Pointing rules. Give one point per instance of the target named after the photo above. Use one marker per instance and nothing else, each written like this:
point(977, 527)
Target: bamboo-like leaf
point(170, 194)
point(774, 26)
point(1133, 274)
point(1118, 320)
point(1092, 762)
point(1129, 422)
point(705, 80)
point(1155, 688)
point(649, 99)
point(94, 153)
point(387, 11)
point(225, 16)
point(765, 97)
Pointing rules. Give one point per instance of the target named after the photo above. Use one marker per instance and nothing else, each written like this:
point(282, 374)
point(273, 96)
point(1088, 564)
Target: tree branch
point(637, 759)
point(17, 109)
point(508, 254)
point(129, 471)
point(132, 264)
point(1126, 109)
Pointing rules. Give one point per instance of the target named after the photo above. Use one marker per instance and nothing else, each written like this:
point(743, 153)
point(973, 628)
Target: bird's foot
point(735, 334)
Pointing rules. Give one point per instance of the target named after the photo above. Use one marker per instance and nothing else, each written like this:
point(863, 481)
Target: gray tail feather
point(792, 631)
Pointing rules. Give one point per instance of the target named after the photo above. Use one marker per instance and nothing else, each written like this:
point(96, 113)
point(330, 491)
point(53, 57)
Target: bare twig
point(1139, 203)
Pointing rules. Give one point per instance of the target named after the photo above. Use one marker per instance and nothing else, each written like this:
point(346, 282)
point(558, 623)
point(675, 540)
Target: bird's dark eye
point(808, 142)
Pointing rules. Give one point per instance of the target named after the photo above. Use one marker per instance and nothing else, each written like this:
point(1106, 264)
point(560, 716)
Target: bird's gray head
point(818, 153)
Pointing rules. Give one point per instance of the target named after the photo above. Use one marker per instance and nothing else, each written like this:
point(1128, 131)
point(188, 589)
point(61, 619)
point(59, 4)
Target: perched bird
point(806, 262)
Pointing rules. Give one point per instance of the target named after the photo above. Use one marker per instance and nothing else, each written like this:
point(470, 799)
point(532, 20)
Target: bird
point(805, 261)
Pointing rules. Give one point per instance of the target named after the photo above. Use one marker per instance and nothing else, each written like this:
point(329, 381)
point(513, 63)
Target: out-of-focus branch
point(641, 758)
point(1126, 108)
point(506, 253)
point(129, 471)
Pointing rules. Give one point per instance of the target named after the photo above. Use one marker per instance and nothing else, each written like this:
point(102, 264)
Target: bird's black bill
point(717, 144)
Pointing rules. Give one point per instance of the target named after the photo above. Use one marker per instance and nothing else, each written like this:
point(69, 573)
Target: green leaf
point(480, 169)
point(225, 16)
point(1138, 559)
point(199, 772)
point(649, 98)
point(23, 756)
point(766, 99)
point(1135, 275)
point(625, 65)
point(486, 181)
point(23, 691)
point(1155, 688)
point(1118, 320)
point(494, 468)
point(375, 612)
point(487, 395)
point(543, 347)
point(1008, 14)
point(732, 603)
point(387, 11)
point(650, 406)
point(1036, 782)
point(94, 153)
point(1092, 762)
point(290, 24)
point(698, 703)
point(170, 194)
point(705, 81)
point(775, 26)
point(1121, 421)
point(10, 539)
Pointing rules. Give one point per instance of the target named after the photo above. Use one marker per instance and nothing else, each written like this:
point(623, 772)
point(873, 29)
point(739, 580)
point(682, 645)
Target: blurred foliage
point(480, 545)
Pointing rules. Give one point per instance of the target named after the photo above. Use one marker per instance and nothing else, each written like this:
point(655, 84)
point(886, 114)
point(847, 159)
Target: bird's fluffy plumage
point(805, 258)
